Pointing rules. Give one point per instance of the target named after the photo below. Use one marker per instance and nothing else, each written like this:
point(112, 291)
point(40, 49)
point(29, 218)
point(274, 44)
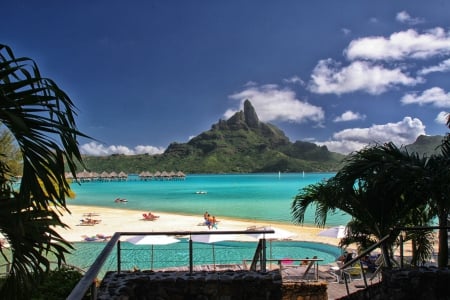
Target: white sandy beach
point(119, 219)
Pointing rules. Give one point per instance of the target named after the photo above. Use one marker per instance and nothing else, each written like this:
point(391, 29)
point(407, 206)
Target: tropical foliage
point(9, 152)
point(57, 284)
point(383, 189)
point(40, 117)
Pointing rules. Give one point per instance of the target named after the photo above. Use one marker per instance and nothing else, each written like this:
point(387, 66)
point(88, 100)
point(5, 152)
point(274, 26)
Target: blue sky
point(143, 74)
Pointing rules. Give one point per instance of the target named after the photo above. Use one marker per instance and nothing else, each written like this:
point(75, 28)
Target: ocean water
point(262, 197)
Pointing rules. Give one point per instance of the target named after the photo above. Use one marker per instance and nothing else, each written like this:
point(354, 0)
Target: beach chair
point(353, 272)
point(147, 217)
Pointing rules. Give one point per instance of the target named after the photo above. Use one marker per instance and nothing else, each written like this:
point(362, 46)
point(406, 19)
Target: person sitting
point(366, 261)
point(150, 216)
point(305, 262)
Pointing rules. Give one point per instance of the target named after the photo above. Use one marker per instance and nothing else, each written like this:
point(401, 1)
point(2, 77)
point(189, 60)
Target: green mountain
point(241, 144)
point(426, 145)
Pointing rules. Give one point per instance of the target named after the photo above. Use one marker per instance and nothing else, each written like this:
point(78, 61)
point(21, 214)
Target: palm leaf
point(41, 117)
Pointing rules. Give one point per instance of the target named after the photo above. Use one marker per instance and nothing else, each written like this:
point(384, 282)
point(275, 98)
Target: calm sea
point(263, 197)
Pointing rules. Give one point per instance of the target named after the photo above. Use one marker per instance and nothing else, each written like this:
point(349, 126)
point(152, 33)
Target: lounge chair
point(353, 272)
point(149, 217)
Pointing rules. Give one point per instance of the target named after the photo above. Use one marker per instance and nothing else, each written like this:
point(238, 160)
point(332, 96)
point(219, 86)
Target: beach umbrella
point(279, 234)
point(337, 232)
point(211, 239)
point(152, 240)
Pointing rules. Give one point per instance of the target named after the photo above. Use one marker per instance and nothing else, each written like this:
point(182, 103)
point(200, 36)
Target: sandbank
point(119, 219)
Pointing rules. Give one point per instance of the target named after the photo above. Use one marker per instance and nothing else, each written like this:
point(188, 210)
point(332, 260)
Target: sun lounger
point(147, 217)
point(89, 222)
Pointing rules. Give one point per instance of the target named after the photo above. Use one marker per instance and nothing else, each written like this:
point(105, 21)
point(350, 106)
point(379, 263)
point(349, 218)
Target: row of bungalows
point(146, 175)
point(86, 176)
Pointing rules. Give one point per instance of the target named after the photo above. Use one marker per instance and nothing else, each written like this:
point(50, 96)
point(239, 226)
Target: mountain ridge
point(241, 144)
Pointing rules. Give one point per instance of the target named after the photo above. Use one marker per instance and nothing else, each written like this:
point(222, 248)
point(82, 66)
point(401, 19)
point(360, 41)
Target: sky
point(146, 73)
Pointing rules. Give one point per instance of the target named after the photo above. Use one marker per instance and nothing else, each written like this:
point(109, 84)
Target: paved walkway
point(335, 290)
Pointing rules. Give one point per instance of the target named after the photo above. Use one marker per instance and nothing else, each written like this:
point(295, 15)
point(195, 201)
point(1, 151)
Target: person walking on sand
point(214, 222)
point(209, 222)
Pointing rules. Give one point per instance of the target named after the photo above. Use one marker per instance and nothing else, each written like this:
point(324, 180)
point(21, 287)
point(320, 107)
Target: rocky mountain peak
point(244, 119)
point(251, 118)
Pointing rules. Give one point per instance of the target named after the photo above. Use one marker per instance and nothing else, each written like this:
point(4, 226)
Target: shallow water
point(262, 197)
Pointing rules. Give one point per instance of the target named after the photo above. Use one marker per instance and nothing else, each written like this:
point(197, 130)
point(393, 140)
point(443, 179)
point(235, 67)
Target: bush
point(58, 284)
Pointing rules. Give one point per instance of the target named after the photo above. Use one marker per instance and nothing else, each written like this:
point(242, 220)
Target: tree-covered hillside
point(241, 144)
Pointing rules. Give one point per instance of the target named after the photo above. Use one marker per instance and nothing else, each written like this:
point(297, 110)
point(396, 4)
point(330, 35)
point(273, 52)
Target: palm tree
point(377, 186)
point(40, 116)
point(439, 176)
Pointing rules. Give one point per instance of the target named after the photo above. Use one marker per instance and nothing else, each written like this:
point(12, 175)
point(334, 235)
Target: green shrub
point(58, 284)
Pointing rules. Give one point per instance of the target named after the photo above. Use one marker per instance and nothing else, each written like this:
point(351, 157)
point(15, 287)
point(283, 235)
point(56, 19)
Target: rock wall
point(206, 285)
point(408, 284)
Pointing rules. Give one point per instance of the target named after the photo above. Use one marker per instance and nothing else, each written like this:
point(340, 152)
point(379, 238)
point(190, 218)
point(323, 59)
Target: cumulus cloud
point(442, 67)
point(354, 139)
point(404, 17)
point(277, 104)
point(400, 45)
point(329, 77)
point(441, 118)
point(96, 149)
point(434, 96)
point(349, 116)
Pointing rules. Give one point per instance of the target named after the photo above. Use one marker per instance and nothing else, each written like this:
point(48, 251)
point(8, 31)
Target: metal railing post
point(263, 255)
point(191, 263)
point(119, 260)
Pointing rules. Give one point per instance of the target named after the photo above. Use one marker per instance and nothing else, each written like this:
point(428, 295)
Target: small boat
point(201, 192)
point(120, 200)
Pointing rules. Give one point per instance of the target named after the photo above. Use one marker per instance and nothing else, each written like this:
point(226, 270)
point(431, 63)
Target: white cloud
point(97, 149)
point(328, 77)
point(404, 17)
point(349, 116)
point(441, 118)
point(434, 96)
point(294, 80)
point(401, 133)
point(273, 103)
point(442, 67)
point(346, 31)
point(400, 45)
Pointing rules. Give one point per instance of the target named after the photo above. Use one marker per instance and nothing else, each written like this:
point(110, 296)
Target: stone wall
point(207, 285)
point(406, 284)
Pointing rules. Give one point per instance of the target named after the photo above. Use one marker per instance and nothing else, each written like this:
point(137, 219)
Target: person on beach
point(209, 221)
point(214, 222)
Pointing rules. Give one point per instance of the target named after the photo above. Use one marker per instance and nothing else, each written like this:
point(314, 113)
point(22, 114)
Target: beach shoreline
point(121, 219)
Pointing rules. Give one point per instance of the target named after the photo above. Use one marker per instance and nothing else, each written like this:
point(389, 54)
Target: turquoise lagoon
point(260, 197)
